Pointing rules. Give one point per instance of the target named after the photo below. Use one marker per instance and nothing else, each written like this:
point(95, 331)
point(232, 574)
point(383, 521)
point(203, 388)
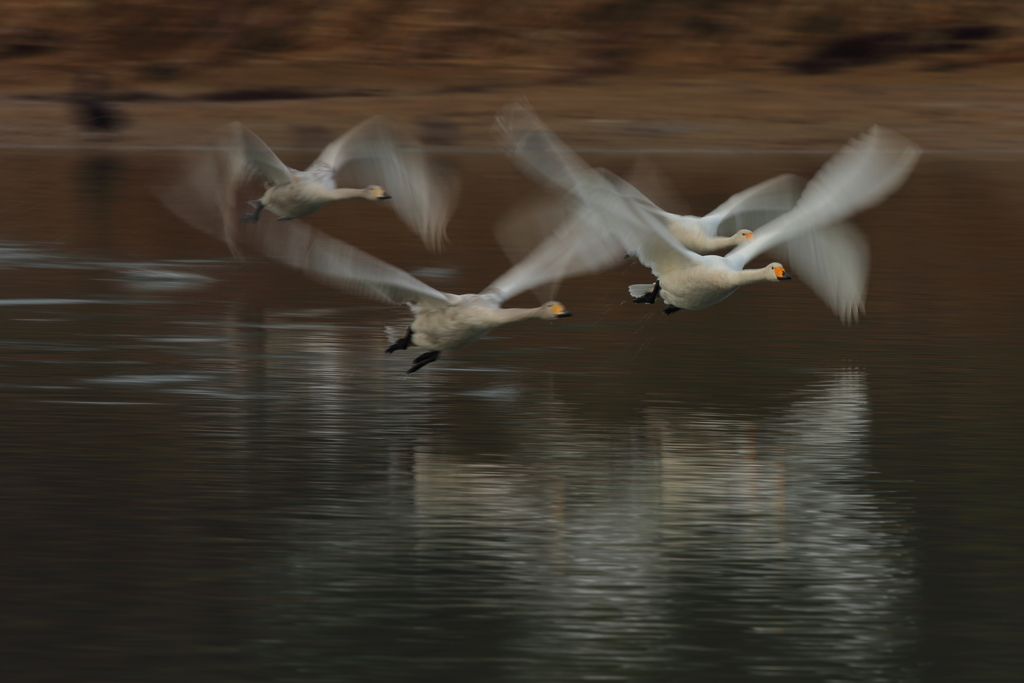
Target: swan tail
point(394, 332)
point(639, 290)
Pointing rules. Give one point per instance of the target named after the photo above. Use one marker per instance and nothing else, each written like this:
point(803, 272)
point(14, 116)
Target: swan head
point(776, 272)
point(376, 193)
point(552, 310)
point(743, 236)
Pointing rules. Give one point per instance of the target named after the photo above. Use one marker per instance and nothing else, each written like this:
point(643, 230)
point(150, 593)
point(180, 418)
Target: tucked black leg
point(402, 344)
point(286, 218)
point(671, 309)
point(428, 357)
point(651, 296)
point(255, 215)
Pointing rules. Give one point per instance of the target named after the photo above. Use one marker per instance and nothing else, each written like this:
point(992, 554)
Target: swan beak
point(564, 314)
point(749, 236)
point(781, 273)
point(385, 196)
point(559, 311)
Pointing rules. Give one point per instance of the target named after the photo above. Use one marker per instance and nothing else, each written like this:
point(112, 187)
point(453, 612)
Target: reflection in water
point(210, 466)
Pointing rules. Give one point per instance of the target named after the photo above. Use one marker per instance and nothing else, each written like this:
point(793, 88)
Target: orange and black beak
point(781, 273)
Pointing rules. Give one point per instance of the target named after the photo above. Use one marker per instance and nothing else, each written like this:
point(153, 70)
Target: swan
point(442, 321)
point(826, 251)
point(745, 211)
point(424, 196)
point(831, 253)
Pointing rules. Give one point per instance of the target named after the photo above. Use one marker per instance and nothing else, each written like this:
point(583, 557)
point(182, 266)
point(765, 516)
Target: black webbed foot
point(671, 309)
point(651, 296)
point(253, 217)
point(428, 357)
point(402, 344)
point(647, 298)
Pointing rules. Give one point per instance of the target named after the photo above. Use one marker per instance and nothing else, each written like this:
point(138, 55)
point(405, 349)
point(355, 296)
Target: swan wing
point(523, 227)
point(250, 155)
point(202, 200)
point(574, 248)
point(834, 262)
point(424, 192)
point(538, 152)
point(646, 177)
point(618, 207)
point(338, 264)
point(204, 196)
point(753, 207)
point(860, 175)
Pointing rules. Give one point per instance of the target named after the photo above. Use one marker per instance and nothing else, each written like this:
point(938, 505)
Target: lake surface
point(211, 472)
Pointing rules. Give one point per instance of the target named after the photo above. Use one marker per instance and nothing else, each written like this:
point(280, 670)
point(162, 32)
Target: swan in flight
point(422, 193)
point(742, 213)
point(442, 321)
point(831, 253)
point(828, 253)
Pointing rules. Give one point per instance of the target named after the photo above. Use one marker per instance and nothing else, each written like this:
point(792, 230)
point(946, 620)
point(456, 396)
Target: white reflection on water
point(761, 528)
point(487, 521)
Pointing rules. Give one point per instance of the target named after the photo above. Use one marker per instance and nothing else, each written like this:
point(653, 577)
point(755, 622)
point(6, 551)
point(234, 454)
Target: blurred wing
point(526, 225)
point(574, 248)
point(834, 262)
point(204, 197)
point(199, 200)
point(537, 151)
point(652, 183)
point(339, 264)
point(620, 208)
point(860, 175)
point(753, 207)
point(253, 155)
point(424, 192)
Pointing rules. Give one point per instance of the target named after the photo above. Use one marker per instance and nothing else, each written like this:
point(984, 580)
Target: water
point(212, 472)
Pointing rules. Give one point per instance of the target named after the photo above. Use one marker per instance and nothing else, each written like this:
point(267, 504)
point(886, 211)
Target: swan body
point(546, 159)
point(741, 214)
point(831, 254)
point(442, 321)
point(424, 194)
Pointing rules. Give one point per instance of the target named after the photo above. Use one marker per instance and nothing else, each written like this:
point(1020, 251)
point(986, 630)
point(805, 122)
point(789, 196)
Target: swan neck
point(752, 275)
point(504, 316)
point(348, 193)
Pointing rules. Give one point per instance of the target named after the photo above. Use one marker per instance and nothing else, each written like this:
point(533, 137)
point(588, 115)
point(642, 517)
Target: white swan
point(739, 215)
point(424, 196)
point(442, 321)
point(830, 255)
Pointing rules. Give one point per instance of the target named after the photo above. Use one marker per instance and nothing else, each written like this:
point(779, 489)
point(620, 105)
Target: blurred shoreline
point(622, 74)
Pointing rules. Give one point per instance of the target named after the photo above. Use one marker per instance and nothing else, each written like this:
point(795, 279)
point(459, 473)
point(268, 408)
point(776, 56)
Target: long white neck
point(752, 275)
point(504, 316)
point(687, 229)
point(351, 193)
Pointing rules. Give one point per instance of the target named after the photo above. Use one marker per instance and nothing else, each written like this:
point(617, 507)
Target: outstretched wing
point(204, 196)
point(646, 177)
point(574, 248)
point(620, 208)
point(338, 264)
point(860, 175)
point(424, 191)
point(200, 200)
point(250, 155)
point(537, 151)
point(834, 262)
point(753, 207)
